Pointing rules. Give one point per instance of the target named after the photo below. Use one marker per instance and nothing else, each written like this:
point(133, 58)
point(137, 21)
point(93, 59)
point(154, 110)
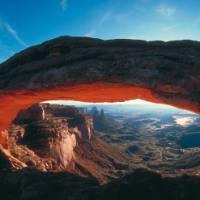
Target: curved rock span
point(95, 70)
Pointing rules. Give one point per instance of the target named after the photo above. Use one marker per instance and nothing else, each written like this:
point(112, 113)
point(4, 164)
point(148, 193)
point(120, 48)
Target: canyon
point(56, 138)
point(60, 151)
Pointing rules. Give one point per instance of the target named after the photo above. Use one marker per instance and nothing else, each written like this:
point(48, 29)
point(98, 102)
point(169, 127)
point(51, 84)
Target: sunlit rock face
point(4, 138)
point(60, 138)
point(95, 70)
point(51, 138)
point(51, 133)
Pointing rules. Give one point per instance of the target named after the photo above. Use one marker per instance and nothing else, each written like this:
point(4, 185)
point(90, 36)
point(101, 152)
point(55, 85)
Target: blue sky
point(27, 22)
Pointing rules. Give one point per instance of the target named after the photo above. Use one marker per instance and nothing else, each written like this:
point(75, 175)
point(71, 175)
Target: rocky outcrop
point(4, 138)
point(51, 132)
point(57, 138)
point(143, 184)
point(31, 184)
point(34, 113)
point(7, 161)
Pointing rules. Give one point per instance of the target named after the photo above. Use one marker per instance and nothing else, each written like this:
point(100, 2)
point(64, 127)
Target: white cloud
point(99, 24)
point(104, 18)
point(63, 4)
point(6, 26)
point(14, 34)
point(166, 11)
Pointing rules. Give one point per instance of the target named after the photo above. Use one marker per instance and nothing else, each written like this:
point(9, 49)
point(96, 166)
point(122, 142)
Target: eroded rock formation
point(34, 113)
point(97, 70)
point(50, 133)
point(57, 138)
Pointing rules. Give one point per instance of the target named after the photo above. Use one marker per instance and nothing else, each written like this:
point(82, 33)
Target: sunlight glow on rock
point(71, 102)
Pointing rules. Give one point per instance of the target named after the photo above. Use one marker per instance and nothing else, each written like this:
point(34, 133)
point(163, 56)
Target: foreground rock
point(7, 161)
point(29, 184)
point(145, 185)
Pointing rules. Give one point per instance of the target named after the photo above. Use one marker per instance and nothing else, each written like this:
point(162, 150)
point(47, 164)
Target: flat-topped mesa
point(60, 138)
point(50, 131)
point(68, 116)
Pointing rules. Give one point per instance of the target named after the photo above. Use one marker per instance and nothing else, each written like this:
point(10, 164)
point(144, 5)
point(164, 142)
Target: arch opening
point(14, 100)
point(153, 135)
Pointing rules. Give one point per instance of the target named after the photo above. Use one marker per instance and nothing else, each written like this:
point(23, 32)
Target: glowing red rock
point(12, 102)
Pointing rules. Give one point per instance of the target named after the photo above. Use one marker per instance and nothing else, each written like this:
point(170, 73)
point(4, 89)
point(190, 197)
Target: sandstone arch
point(95, 70)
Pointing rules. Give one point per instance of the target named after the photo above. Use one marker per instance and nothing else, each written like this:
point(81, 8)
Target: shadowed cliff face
point(95, 70)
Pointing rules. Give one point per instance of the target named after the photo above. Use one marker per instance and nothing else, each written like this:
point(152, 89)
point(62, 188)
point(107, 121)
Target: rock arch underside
point(95, 70)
